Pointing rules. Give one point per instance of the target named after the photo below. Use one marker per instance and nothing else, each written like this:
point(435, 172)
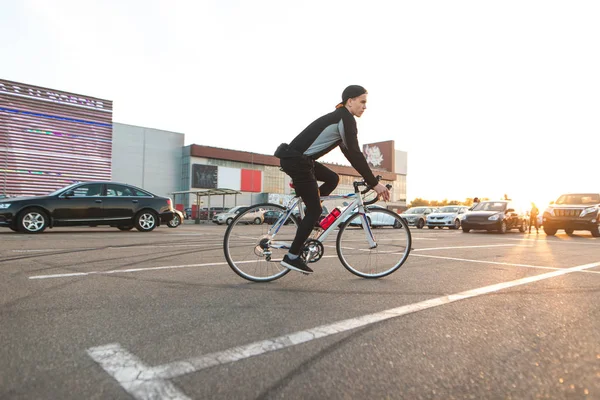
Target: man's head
point(354, 98)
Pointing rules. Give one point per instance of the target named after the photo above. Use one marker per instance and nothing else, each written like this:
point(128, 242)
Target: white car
point(256, 218)
point(378, 219)
point(449, 216)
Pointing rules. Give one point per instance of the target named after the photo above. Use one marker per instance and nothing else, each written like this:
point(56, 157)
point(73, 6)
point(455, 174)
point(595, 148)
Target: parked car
point(574, 211)
point(204, 214)
point(448, 216)
point(416, 216)
point(271, 216)
point(256, 218)
point(499, 215)
point(87, 204)
point(177, 219)
point(378, 219)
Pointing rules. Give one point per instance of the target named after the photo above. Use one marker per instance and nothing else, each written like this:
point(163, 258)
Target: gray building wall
point(148, 158)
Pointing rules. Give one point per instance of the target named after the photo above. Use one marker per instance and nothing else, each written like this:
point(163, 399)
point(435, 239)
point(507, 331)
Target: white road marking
point(559, 241)
point(470, 247)
point(117, 271)
point(125, 368)
point(144, 382)
point(496, 263)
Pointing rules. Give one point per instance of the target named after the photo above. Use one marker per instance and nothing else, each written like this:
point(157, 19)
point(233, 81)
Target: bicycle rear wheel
point(392, 238)
point(254, 246)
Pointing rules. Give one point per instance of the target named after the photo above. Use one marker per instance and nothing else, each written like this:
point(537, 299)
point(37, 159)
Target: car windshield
point(590, 198)
point(418, 210)
point(448, 210)
point(490, 206)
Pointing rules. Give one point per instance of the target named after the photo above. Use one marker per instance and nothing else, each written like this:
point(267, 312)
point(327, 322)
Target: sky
point(487, 98)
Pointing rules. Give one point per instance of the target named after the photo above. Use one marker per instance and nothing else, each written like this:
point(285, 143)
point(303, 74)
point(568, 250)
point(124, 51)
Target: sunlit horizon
point(486, 99)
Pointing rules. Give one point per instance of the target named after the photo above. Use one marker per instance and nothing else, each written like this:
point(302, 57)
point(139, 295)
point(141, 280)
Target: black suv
point(571, 212)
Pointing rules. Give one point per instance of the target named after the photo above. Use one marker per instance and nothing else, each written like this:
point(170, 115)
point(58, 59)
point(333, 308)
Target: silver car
point(417, 216)
point(448, 216)
point(256, 218)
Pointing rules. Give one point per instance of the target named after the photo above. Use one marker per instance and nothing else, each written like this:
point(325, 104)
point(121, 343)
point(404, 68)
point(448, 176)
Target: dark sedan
point(87, 204)
point(498, 215)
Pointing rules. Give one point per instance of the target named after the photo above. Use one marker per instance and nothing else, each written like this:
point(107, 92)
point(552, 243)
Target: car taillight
point(170, 204)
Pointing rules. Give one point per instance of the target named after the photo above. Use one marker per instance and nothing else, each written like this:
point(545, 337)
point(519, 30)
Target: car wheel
point(569, 231)
point(397, 224)
point(524, 226)
point(145, 221)
point(466, 230)
point(257, 221)
point(596, 231)
point(228, 222)
point(502, 228)
point(456, 224)
point(125, 228)
point(175, 222)
point(431, 227)
point(549, 230)
point(32, 220)
point(420, 224)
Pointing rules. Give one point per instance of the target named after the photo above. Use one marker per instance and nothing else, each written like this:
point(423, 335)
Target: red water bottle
point(328, 220)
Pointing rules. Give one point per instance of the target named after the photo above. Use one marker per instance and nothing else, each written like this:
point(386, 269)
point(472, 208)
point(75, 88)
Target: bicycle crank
point(313, 251)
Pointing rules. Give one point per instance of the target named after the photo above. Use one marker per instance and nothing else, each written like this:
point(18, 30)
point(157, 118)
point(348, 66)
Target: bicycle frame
point(296, 202)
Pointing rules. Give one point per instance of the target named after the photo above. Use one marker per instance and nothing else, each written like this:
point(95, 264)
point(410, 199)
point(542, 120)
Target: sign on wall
point(380, 155)
point(204, 176)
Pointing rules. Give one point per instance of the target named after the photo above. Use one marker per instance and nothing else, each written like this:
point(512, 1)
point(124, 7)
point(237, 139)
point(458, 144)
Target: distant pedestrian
point(533, 218)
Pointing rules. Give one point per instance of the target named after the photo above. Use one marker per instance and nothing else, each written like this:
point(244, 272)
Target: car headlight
point(4, 206)
point(589, 210)
point(495, 217)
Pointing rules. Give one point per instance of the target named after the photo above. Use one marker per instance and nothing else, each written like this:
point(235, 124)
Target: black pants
point(533, 221)
point(305, 173)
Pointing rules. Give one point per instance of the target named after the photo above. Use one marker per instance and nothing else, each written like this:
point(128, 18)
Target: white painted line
point(118, 271)
point(125, 368)
point(470, 247)
point(570, 240)
point(495, 263)
point(133, 374)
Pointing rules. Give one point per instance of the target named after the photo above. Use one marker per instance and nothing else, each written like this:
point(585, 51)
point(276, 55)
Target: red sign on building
point(251, 181)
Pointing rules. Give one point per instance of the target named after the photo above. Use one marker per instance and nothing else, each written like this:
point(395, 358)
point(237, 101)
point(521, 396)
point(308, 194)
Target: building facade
point(50, 139)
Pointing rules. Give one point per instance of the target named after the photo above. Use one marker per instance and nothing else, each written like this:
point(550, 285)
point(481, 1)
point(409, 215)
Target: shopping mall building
point(50, 139)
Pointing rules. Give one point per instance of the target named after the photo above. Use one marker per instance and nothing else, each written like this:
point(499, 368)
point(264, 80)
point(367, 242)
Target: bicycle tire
point(244, 240)
point(391, 234)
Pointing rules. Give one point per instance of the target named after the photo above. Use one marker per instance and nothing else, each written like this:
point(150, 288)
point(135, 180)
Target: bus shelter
point(206, 193)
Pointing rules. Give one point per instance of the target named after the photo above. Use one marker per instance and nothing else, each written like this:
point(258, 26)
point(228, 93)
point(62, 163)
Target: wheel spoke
point(393, 245)
point(247, 246)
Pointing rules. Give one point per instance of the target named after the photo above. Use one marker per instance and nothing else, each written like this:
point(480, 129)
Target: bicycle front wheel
point(256, 241)
point(391, 237)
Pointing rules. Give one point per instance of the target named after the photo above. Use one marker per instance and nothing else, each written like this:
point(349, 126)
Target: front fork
point(366, 227)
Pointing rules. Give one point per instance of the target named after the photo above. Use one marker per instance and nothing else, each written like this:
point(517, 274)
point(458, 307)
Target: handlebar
point(368, 188)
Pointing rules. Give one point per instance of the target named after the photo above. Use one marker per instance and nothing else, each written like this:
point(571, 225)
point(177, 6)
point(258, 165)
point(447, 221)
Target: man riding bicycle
point(298, 160)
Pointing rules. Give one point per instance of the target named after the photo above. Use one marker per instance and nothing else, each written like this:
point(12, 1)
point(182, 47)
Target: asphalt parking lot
point(95, 313)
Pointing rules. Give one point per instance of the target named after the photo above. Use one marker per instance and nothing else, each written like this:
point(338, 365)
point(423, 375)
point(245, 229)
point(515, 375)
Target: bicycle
point(254, 250)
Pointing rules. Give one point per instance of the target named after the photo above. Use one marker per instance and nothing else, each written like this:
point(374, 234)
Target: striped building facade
point(50, 139)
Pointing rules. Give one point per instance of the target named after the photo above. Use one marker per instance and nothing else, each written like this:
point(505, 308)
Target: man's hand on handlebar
point(382, 192)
